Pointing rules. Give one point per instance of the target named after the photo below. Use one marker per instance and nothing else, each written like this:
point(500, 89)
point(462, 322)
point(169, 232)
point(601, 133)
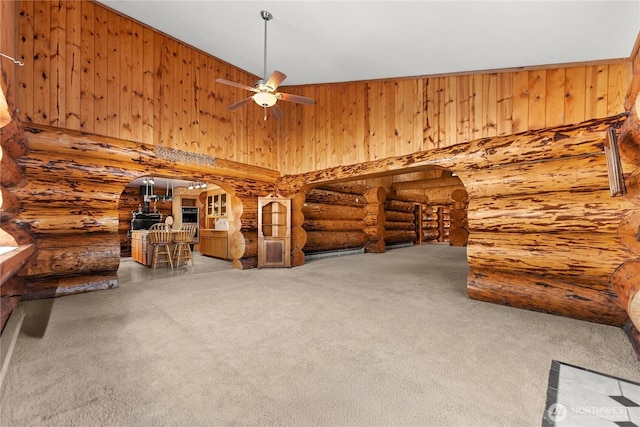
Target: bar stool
point(159, 238)
point(183, 239)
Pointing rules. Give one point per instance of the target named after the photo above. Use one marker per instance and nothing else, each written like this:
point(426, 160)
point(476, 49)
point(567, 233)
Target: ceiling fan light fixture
point(265, 99)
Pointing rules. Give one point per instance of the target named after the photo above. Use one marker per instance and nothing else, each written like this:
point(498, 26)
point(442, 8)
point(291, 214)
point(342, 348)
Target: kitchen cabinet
point(141, 250)
point(214, 243)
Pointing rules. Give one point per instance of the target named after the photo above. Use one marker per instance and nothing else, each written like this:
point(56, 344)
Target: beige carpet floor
point(363, 340)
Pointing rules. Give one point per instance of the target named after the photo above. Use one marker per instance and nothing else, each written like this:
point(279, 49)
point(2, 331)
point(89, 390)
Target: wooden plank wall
point(93, 70)
point(90, 69)
point(356, 122)
point(8, 69)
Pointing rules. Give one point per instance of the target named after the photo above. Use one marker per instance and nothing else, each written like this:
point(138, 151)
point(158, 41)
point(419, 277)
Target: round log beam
point(625, 281)
point(548, 295)
point(629, 141)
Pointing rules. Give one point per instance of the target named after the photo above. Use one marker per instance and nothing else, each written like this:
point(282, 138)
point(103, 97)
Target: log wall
point(625, 279)
point(400, 221)
point(70, 204)
point(334, 218)
point(543, 228)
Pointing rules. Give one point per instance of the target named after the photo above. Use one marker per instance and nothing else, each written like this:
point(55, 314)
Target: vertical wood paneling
point(617, 87)
point(168, 96)
point(596, 96)
point(148, 88)
point(504, 123)
point(464, 108)
point(9, 46)
point(554, 97)
point(72, 87)
point(94, 70)
point(520, 102)
point(101, 61)
point(57, 65)
point(87, 76)
point(200, 74)
point(389, 117)
point(26, 43)
point(113, 76)
point(177, 80)
point(575, 90)
point(41, 64)
point(125, 78)
point(211, 112)
point(376, 117)
point(477, 119)
point(450, 111)
point(489, 104)
point(137, 81)
point(159, 71)
point(537, 99)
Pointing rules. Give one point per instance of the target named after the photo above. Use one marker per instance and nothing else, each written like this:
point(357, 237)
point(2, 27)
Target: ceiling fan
point(265, 94)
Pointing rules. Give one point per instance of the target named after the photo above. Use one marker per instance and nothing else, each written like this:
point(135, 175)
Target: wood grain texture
point(548, 295)
point(97, 71)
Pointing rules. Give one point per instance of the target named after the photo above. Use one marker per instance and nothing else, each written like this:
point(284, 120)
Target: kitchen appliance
point(190, 215)
point(143, 220)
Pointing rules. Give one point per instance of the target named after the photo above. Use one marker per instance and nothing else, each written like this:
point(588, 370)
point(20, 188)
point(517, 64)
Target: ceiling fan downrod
point(267, 17)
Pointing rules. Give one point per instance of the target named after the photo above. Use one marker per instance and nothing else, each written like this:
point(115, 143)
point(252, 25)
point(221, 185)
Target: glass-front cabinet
point(274, 232)
point(217, 205)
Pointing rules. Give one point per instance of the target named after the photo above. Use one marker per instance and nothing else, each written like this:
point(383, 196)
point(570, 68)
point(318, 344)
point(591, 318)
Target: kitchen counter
point(214, 243)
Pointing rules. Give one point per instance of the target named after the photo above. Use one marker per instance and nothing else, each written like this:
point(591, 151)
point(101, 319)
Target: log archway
point(540, 208)
point(69, 203)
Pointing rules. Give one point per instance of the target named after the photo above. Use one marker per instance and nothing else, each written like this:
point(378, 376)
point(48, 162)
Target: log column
point(298, 234)
point(13, 145)
point(459, 231)
point(374, 219)
point(626, 279)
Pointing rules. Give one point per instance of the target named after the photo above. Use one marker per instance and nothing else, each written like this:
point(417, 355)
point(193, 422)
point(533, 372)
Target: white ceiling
point(337, 41)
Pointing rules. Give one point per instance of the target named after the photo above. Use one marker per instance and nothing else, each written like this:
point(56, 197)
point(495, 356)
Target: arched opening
point(416, 206)
point(178, 202)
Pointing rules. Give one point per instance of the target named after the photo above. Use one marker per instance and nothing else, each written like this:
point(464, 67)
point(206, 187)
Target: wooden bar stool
point(182, 249)
point(160, 236)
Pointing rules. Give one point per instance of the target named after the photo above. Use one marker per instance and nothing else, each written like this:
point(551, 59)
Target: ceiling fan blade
point(276, 79)
point(239, 103)
point(277, 112)
point(296, 98)
point(240, 85)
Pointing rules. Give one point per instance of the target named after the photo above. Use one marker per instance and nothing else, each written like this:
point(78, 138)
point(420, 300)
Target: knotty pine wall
point(361, 121)
point(90, 69)
point(93, 70)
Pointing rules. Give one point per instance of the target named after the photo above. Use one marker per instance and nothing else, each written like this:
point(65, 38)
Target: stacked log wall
point(13, 145)
point(626, 277)
point(334, 218)
point(542, 196)
point(544, 232)
point(430, 230)
point(70, 204)
point(400, 221)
